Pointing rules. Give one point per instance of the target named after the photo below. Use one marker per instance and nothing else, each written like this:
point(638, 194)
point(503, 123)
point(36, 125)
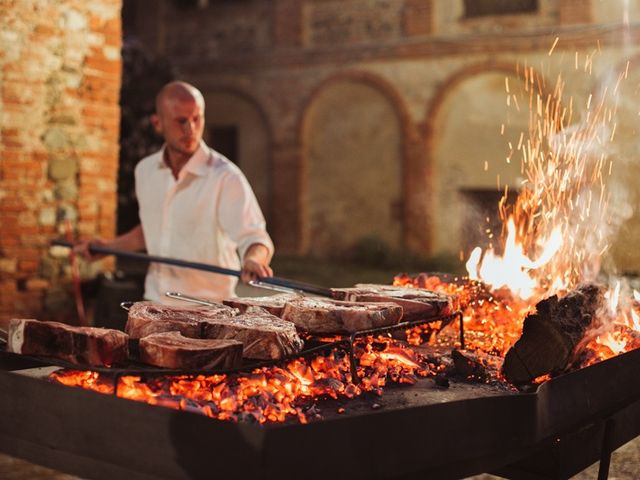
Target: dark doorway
point(224, 139)
point(481, 223)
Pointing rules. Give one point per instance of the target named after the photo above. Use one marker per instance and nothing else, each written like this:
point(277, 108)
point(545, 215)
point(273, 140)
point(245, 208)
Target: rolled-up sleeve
point(240, 215)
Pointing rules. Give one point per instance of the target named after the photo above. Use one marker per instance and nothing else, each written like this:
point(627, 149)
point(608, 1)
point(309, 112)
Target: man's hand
point(82, 249)
point(131, 241)
point(256, 263)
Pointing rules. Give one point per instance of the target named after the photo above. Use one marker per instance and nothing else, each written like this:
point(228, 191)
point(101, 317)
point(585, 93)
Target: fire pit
point(422, 431)
point(444, 425)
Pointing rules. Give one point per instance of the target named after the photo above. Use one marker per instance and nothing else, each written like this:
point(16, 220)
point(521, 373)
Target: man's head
point(179, 117)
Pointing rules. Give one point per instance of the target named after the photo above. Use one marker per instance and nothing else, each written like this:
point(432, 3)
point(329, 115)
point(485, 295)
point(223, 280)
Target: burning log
point(172, 350)
point(80, 345)
point(553, 336)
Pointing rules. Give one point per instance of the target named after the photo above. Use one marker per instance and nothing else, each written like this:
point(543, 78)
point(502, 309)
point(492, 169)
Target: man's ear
point(157, 124)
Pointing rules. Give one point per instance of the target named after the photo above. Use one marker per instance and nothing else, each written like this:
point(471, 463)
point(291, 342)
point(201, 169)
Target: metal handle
point(126, 305)
point(279, 282)
point(188, 298)
point(275, 288)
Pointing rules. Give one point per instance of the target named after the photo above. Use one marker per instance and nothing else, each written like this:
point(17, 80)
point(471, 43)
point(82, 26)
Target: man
point(194, 205)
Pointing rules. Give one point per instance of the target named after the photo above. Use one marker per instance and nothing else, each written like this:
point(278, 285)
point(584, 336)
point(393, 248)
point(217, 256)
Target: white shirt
point(209, 215)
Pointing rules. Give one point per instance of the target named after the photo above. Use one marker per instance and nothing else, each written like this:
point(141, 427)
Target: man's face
point(181, 123)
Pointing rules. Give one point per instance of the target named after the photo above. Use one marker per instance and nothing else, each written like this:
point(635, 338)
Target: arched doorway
point(473, 128)
point(352, 148)
point(236, 128)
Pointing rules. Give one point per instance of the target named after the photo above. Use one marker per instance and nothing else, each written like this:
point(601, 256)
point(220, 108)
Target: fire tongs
point(271, 283)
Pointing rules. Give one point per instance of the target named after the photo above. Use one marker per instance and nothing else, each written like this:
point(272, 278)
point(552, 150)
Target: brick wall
point(60, 71)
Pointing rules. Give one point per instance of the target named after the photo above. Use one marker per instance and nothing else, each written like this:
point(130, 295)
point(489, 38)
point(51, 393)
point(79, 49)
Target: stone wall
point(60, 72)
point(441, 70)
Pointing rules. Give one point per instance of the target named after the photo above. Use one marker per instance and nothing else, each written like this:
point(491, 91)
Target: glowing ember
point(269, 394)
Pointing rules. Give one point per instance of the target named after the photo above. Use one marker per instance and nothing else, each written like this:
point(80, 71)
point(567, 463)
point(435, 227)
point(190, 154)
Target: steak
point(173, 350)
point(146, 318)
point(416, 303)
point(264, 336)
point(317, 315)
point(273, 304)
point(80, 345)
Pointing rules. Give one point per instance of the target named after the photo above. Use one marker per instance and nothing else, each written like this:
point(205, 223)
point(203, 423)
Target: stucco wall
point(443, 74)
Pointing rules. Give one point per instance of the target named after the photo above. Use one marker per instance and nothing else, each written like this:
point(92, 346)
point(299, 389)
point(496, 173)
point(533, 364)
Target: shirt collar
point(196, 165)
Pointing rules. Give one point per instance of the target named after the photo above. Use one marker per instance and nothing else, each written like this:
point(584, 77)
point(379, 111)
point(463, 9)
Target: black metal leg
point(605, 453)
point(461, 330)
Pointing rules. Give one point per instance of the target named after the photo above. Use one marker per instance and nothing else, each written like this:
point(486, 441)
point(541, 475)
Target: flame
point(556, 232)
point(614, 344)
point(512, 269)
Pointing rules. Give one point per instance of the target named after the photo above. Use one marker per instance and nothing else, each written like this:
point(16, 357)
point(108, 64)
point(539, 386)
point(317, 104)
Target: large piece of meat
point(146, 318)
point(79, 345)
point(273, 304)
point(264, 336)
point(416, 303)
point(317, 315)
point(173, 350)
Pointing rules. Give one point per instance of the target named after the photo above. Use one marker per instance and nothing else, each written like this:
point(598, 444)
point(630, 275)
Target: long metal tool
point(276, 281)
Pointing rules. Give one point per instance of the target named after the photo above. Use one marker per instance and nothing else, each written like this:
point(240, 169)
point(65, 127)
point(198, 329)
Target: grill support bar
point(607, 449)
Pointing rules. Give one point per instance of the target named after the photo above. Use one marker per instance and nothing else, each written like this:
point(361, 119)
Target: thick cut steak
point(80, 345)
point(273, 304)
point(173, 350)
point(317, 315)
point(264, 336)
point(146, 318)
point(416, 303)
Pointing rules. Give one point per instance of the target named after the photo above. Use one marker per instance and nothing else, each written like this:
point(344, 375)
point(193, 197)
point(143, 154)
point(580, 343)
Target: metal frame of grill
point(566, 424)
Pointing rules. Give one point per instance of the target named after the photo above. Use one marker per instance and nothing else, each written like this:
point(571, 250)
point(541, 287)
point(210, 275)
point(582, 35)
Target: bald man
point(194, 205)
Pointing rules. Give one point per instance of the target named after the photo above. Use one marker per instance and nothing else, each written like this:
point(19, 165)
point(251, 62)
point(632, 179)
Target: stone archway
point(352, 139)
point(237, 127)
point(469, 147)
